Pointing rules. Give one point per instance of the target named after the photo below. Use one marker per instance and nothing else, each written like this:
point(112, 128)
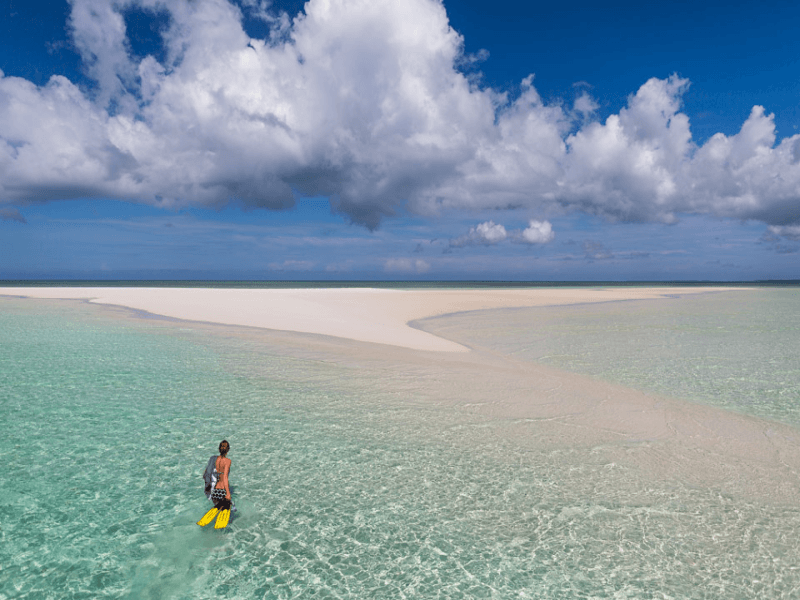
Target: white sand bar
point(368, 315)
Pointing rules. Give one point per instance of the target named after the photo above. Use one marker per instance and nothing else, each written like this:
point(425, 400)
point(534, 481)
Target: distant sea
point(398, 284)
point(350, 486)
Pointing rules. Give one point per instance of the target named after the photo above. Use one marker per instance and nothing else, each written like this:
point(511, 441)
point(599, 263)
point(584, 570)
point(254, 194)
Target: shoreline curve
point(374, 315)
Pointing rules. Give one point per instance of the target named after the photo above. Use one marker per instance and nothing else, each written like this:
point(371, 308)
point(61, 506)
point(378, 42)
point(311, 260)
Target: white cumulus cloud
point(585, 105)
point(490, 233)
point(485, 234)
point(537, 232)
point(362, 101)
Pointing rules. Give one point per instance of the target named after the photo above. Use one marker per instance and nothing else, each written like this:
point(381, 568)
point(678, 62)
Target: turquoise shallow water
point(346, 488)
point(737, 350)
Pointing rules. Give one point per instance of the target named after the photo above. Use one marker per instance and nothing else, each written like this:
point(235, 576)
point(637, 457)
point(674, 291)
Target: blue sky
point(400, 139)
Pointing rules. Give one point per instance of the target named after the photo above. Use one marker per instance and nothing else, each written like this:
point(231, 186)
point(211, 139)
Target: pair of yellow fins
point(222, 519)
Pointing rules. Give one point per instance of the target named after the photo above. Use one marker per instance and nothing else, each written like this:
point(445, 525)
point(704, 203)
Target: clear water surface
point(345, 489)
point(737, 350)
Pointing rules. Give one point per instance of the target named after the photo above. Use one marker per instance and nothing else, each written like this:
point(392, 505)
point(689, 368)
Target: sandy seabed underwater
point(366, 472)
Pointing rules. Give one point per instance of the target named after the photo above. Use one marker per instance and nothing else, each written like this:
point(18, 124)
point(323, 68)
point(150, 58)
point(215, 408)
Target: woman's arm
point(226, 469)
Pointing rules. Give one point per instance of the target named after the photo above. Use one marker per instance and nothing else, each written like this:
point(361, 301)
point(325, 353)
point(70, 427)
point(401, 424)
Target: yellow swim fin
point(208, 517)
point(222, 519)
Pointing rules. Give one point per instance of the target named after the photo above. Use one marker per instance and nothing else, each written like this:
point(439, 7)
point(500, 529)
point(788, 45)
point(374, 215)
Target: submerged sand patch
point(542, 410)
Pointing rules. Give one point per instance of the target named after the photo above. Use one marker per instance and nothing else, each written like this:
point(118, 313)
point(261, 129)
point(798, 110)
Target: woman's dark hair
point(224, 447)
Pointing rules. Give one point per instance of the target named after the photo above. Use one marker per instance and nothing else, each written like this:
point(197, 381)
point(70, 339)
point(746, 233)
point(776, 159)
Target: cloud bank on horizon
point(365, 102)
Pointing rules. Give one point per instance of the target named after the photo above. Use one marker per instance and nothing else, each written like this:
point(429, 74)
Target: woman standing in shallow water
point(221, 495)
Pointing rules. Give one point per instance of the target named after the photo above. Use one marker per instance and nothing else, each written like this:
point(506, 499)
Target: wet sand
point(368, 315)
